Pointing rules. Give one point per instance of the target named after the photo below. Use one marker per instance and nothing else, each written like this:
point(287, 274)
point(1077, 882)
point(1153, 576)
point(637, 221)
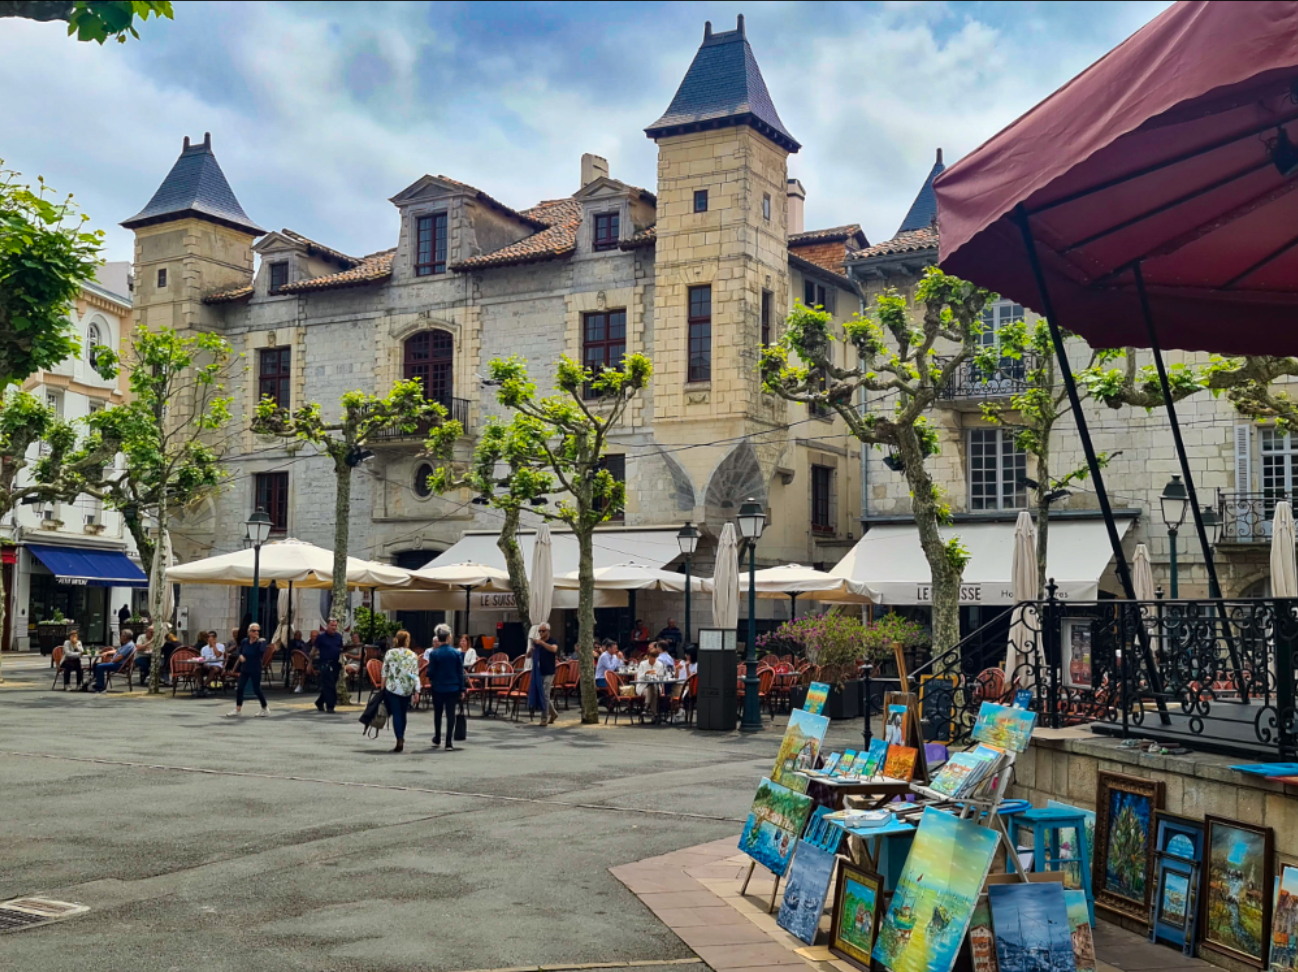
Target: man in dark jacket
point(446, 677)
point(329, 652)
point(252, 651)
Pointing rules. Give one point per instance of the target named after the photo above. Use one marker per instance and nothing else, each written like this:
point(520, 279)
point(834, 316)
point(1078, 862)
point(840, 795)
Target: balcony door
point(1277, 450)
point(1011, 372)
point(430, 357)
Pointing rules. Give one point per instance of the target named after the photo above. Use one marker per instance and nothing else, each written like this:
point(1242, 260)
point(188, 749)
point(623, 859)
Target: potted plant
point(53, 631)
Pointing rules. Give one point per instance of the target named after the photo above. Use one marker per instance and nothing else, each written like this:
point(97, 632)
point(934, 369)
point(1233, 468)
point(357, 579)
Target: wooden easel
point(775, 890)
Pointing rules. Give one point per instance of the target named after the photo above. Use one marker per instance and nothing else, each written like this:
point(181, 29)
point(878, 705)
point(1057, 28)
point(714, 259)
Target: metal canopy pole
point(1092, 461)
point(1214, 588)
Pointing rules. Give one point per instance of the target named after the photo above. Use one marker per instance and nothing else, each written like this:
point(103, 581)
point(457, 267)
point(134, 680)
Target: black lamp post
point(1211, 524)
point(688, 538)
point(1175, 501)
point(256, 531)
point(752, 521)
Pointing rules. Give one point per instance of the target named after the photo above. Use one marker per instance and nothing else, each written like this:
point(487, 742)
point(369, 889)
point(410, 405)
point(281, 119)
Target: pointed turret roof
point(923, 211)
point(723, 87)
point(195, 187)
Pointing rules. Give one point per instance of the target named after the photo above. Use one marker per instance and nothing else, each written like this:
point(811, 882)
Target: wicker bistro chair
point(765, 683)
point(302, 670)
point(498, 656)
point(57, 659)
point(689, 698)
point(519, 662)
point(127, 672)
point(618, 703)
point(516, 694)
point(374, 669)
point(184, 668)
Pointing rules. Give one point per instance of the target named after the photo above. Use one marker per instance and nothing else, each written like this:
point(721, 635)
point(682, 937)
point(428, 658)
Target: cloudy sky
point(319, 112)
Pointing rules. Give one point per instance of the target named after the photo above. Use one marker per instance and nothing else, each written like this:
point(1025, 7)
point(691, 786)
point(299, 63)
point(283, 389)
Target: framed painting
point(937, 707)
point(1124, 838)
point(1178, 864)
point(800, 749)
point(1076, 640)
point(1235, 910)
point(774, 825)
point(1284, 921)
point(857, 900)
point(810, 875)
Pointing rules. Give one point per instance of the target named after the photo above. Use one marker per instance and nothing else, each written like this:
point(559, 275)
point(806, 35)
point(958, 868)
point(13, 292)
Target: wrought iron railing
point(456, 408)
point(1246, 517)
point(972, 383)
point(1208, 674)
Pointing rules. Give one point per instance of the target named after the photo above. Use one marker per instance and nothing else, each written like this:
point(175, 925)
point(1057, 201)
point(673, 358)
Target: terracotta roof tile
point(228, 296)
point(496, 203)
point(822, 273)
point(561, 218)
point(911, 241)
point(646, 237)
point(375, 267)
point(835, 234)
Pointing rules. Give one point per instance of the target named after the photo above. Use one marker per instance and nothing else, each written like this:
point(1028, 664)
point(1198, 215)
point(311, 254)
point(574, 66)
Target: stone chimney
point(592, 168)
point(797, 198)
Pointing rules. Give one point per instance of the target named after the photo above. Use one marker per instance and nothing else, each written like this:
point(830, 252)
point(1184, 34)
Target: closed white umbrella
point(284, 629)
point(541, 584)
point(1284, 573)
point(725, 580)
point(1025, 629)
point(1142, 574)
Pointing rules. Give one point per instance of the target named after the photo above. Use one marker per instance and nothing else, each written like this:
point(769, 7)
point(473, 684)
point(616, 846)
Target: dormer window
point(606, 230)
point(278, 276)
point(430, 244)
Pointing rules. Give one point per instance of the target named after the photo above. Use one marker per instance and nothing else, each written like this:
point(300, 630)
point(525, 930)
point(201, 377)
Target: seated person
point(295, 642)
point(468, 655)
point(610, 659)
point(671, 634)
point(691, 665)
point(650, 665)
point(144, 654)
point(121, 658)
point(664, 656)
point(73, 652)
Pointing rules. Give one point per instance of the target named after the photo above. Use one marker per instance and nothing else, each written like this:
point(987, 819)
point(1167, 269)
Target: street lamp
point(752, 520)
point(1175, 501)
point(688, 538)
point(256, 530)
point(1211, 524)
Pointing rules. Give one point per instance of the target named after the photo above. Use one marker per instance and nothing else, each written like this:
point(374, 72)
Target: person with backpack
point(400, 684)
point(446, 676)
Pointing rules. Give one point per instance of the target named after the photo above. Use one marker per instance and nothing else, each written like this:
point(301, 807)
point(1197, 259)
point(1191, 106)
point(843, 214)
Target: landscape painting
point(901, 763)
point(817, 696)
point(800, 749)
point(1033, 933)
point(1079, 921)
point(856, 910)
point(1068, 844)
point(982, 943)
point(1284, 921)
point(1000, 725)
point(1124, 836)
point(1174, 898)
point(804, 894)
point(939, 886)
point(773, 826)
point(1238, 890)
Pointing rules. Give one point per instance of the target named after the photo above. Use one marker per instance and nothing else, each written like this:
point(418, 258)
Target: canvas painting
point(894, 727)
point(1238, 890)
point(872, 764)
point(804, 894)
point(1284, 921)
point(817, 696)
point(1069, 844)
point(1077, 652)
point(936, 894)
point(901, 763)
point(1032, 927)
point(844, 767)
point(982, 943)
point(1003, 726)
point(856, 908)
point(800, 749)
point(773, 826)
point(1079, 921)
point(1120, 875)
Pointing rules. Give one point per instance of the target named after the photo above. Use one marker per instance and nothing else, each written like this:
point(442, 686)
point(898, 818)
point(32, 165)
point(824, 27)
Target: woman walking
point(446, 676)
point(73, 651)
point(400, 684)
point(251, 651)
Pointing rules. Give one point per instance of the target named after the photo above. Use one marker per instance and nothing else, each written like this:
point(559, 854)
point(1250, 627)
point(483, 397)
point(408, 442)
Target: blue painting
point(1003, 727)
point(1032, 927)
point(774, 824)
point(804, 894)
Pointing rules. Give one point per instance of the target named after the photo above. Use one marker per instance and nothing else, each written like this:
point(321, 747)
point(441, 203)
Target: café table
point(491, 681)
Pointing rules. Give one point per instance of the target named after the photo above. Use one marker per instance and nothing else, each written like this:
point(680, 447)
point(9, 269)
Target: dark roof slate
point(723, 86)
point(923, 211)
point(195, 187)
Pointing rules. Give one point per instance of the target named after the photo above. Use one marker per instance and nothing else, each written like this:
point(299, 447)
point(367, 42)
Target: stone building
point(77, 559)
point(695, 273)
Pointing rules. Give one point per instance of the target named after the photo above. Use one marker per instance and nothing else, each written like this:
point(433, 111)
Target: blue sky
point(319, 112)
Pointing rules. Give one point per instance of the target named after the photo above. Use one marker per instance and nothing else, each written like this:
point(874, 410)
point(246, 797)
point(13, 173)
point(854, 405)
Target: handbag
point(375, 716)
point(461, 724)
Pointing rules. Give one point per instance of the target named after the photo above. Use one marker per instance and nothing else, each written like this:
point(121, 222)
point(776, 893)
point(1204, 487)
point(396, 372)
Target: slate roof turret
point(923, 211)
point(195, 188)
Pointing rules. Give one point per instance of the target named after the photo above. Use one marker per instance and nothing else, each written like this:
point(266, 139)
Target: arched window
point(94, 338)
point(430, 357)
point(422, 489)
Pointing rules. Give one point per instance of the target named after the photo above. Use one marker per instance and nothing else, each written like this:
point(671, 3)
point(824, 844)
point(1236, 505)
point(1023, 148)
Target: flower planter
point(844, 703)
point(52, 634)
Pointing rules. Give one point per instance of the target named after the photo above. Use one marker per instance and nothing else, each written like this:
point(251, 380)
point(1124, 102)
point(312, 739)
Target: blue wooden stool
point(1046, 824)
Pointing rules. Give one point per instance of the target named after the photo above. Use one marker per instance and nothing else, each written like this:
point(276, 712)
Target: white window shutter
point(1243, 458)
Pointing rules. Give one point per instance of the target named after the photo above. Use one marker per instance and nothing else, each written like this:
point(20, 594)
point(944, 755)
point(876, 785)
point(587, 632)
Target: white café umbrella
point(1142, 574)
point(635, 577)
point(1024, 637)
point(287, 561)
point(540, 598)
point(1284, 572)
point(790, 580)
point(466, 576)
point(725, 581)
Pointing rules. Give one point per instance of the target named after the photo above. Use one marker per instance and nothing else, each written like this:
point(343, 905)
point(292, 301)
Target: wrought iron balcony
point(971, 383)
point(1247, 517)
point(456, 408)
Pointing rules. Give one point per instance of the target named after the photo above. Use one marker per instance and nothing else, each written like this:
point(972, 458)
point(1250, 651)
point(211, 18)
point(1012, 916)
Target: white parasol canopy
point(795, 579)
point(636, 577)
point(725, 580)
point(287, 561)
point(540, 598)
point(1142, 574)
point(1025, 627)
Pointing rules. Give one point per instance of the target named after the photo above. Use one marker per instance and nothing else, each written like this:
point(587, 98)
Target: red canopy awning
point(1162, 153)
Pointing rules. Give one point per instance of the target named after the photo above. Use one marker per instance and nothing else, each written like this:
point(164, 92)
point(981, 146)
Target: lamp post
point(1175, 501)
point(752, 520)
point(256, 530)
point(688, 538)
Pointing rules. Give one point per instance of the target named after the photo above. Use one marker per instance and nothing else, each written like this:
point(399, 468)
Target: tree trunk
point(508, 544)
point(342, 533)
point(946, 575)
point(158, 599)
point(586, 626)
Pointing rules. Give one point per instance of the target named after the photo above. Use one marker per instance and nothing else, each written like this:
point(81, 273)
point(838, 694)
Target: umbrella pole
point(1092, 461)
point(1214, 588)
point(467, 608)
point(288, 653)
point(793, 605)
point(631, 611)
point(372, 604)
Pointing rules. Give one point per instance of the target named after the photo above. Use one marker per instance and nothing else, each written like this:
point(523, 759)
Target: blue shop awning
point(89, 568)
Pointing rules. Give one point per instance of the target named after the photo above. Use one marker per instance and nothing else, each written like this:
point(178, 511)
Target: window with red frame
point(430, 357)
point(430, 244)
point(272, 496)
point(603, 341)
point(822, 485)
point(607, 228)
point(700, 333)
point(274, 366)
point(278, 276)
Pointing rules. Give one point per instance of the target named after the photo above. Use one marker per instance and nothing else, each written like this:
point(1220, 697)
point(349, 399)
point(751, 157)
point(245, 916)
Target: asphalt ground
point(293, 843)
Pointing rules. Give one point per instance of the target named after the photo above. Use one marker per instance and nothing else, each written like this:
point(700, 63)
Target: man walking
point(251, 653)
point(329, 653)
point(446, 676)
point(544, 655)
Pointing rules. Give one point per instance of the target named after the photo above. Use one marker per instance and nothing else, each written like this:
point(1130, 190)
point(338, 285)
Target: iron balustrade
point(970, 382)
point(1247, 517)
point(456, 408)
